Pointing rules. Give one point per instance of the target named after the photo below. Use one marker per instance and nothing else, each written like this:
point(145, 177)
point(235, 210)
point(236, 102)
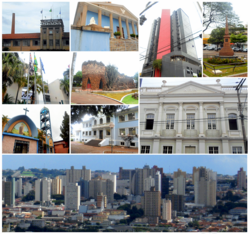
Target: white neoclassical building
point(191, 118)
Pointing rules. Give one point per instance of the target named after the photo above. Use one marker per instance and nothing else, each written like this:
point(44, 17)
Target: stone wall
point(94, 72)
point(123, 45)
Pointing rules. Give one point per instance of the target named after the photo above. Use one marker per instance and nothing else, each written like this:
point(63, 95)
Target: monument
point(226, 51)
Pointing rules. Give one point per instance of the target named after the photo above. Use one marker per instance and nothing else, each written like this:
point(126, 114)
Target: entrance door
point(101, 85)
point(101, 134)
point(21, 148)
point(88, 84)
point(190, 149)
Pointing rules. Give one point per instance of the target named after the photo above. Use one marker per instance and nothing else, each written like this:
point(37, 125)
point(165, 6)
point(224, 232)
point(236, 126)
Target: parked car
point(244, 50)
point(205, 48)
point(219, 48)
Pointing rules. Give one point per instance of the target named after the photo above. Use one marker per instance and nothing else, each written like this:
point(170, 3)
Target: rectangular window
point(26, 42)
point(108, 132)
point(50, 30)
point(132, 144)
point(232, 122)
point(57, 30)
point(89, 133)
point(6, 43)
point(122, 131)
point(211, 121)
point(170, 121)
point(145, 149)
point(237, 150)
point(94, 133)
point(122, 142)
point(121, 118)
point(167, 149)
point(16, 43)
point(90, 124)
point(86, 133)
point(190, 121)
point(131, 116)
point(57, 42)
point(132, 131)
point(36, 42)
point(50, 42)
point(87, 125)
point(213, 150)
point(65, 42)
point(44, 31)
point(44, 42)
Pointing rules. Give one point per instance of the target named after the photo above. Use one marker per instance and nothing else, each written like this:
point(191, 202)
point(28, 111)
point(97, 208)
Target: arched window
point(83, 133)
point(232, 119)
point(95, 122)
point(149, 122)
point(108, 119)
point(101, 121)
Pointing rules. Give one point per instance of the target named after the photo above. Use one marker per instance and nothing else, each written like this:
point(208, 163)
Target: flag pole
point(35, 82)
point(28, 78)
point(42, 80)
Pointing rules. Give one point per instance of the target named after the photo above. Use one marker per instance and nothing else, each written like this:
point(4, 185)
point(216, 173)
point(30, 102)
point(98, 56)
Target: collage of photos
point(106, 130)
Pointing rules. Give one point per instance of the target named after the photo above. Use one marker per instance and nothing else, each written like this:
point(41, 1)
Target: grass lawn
point(129, 100)
point(116, 96)
point(225, 72)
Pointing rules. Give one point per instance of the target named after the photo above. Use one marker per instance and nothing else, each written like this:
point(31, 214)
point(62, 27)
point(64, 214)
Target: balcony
point(148, 133)
point(213, 133)
point(168, 133)
point(190, 133)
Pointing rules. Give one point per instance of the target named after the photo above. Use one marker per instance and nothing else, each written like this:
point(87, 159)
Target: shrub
point(223, 61)
point(117, 33)
point(132, 35)
point(157, 64)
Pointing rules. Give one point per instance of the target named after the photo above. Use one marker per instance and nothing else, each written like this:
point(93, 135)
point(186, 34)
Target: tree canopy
point(77, 80)
point(238, 38)
point(78, 112)
point(217, 36)
point(216, 13)
point(64, 128)
point(111, 75)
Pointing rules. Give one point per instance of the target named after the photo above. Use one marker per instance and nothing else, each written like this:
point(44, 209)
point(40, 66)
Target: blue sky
point(222, 164)
point(28, 15)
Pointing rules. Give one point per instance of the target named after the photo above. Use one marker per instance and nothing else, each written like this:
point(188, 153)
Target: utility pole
point(238, 89)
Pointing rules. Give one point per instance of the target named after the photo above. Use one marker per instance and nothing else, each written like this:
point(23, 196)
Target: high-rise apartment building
point(72, 196)
point(158, 181)
point(56, 186)
point(9, 192)
point(43, 189)
point(84, 188)
point(205, 185)
point(166, 210)
point(148, 183)
point(152, 205)
point(177, 202)
point(74, 175)
point(27, 188)
point(63, 179)
point(179, 182)
point(164, 186)
point(110, 177)
point(173, 38)
point(101, 201)
point(241, 179)
point(19, 186)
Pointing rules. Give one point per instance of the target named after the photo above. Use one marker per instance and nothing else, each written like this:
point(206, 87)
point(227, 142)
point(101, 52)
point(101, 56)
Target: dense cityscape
point(140, 199)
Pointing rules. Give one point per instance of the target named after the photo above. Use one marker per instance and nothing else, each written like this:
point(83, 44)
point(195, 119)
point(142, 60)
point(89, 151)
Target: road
point(212, 53)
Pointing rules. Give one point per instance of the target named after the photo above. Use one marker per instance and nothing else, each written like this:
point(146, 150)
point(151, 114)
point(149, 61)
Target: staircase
point(93, 143)
point(123, 44)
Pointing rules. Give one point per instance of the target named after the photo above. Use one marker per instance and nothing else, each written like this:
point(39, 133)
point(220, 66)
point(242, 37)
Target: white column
point(201, 119)
point(179, 133)
point(178, 147)
point(158, 124)
point(156, 144)
point(202, 148)
point(225, 147)
point(223, 120)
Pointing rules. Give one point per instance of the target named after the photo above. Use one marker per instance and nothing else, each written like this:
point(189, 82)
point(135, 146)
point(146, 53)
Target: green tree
point(30, 196)
point(111, 76)
point(217, 36)
point(64, 128)
point(64, 85)
point(78, 112)
point(77, 80)
point(8, 99)
point(238, 39)
point(216, 12)
point(4, 120)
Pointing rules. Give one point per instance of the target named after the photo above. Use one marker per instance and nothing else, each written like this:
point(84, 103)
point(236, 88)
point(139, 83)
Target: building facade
point(50, 37)
point(74, 175)
point(191, 118)
point(241, 179)
point(72, 196)
point(179, 182)
point(98, 128)
point(166, 210)
point(95, 23)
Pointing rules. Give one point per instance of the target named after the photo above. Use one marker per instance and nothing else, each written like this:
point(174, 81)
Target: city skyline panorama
point(223, 164)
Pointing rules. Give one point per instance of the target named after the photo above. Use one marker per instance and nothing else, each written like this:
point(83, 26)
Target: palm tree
point(21, 82)
point(64, 84)
point(4, 120)
point(8, 99)
point(11, 66)
point(39, 87)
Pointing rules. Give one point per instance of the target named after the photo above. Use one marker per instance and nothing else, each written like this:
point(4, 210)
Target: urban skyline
point(231, 163)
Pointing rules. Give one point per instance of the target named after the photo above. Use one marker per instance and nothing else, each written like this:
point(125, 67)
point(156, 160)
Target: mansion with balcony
point(103, 131)
point(192, 118)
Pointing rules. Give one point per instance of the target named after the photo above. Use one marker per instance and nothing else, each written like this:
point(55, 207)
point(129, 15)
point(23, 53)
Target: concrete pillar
point(84, 16)
point(158, 125)
point(156, 144)
point(202, 148)
point(111, 25)
point(225, 147)
point(178, 149)
point(133, 27)
point(201, 117)
point(128, 32)
point(223, 120)
point(120, 26)
point(179, 133)
point(99, 17)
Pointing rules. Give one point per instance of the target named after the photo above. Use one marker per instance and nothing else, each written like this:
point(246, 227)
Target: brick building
point(50, 37)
